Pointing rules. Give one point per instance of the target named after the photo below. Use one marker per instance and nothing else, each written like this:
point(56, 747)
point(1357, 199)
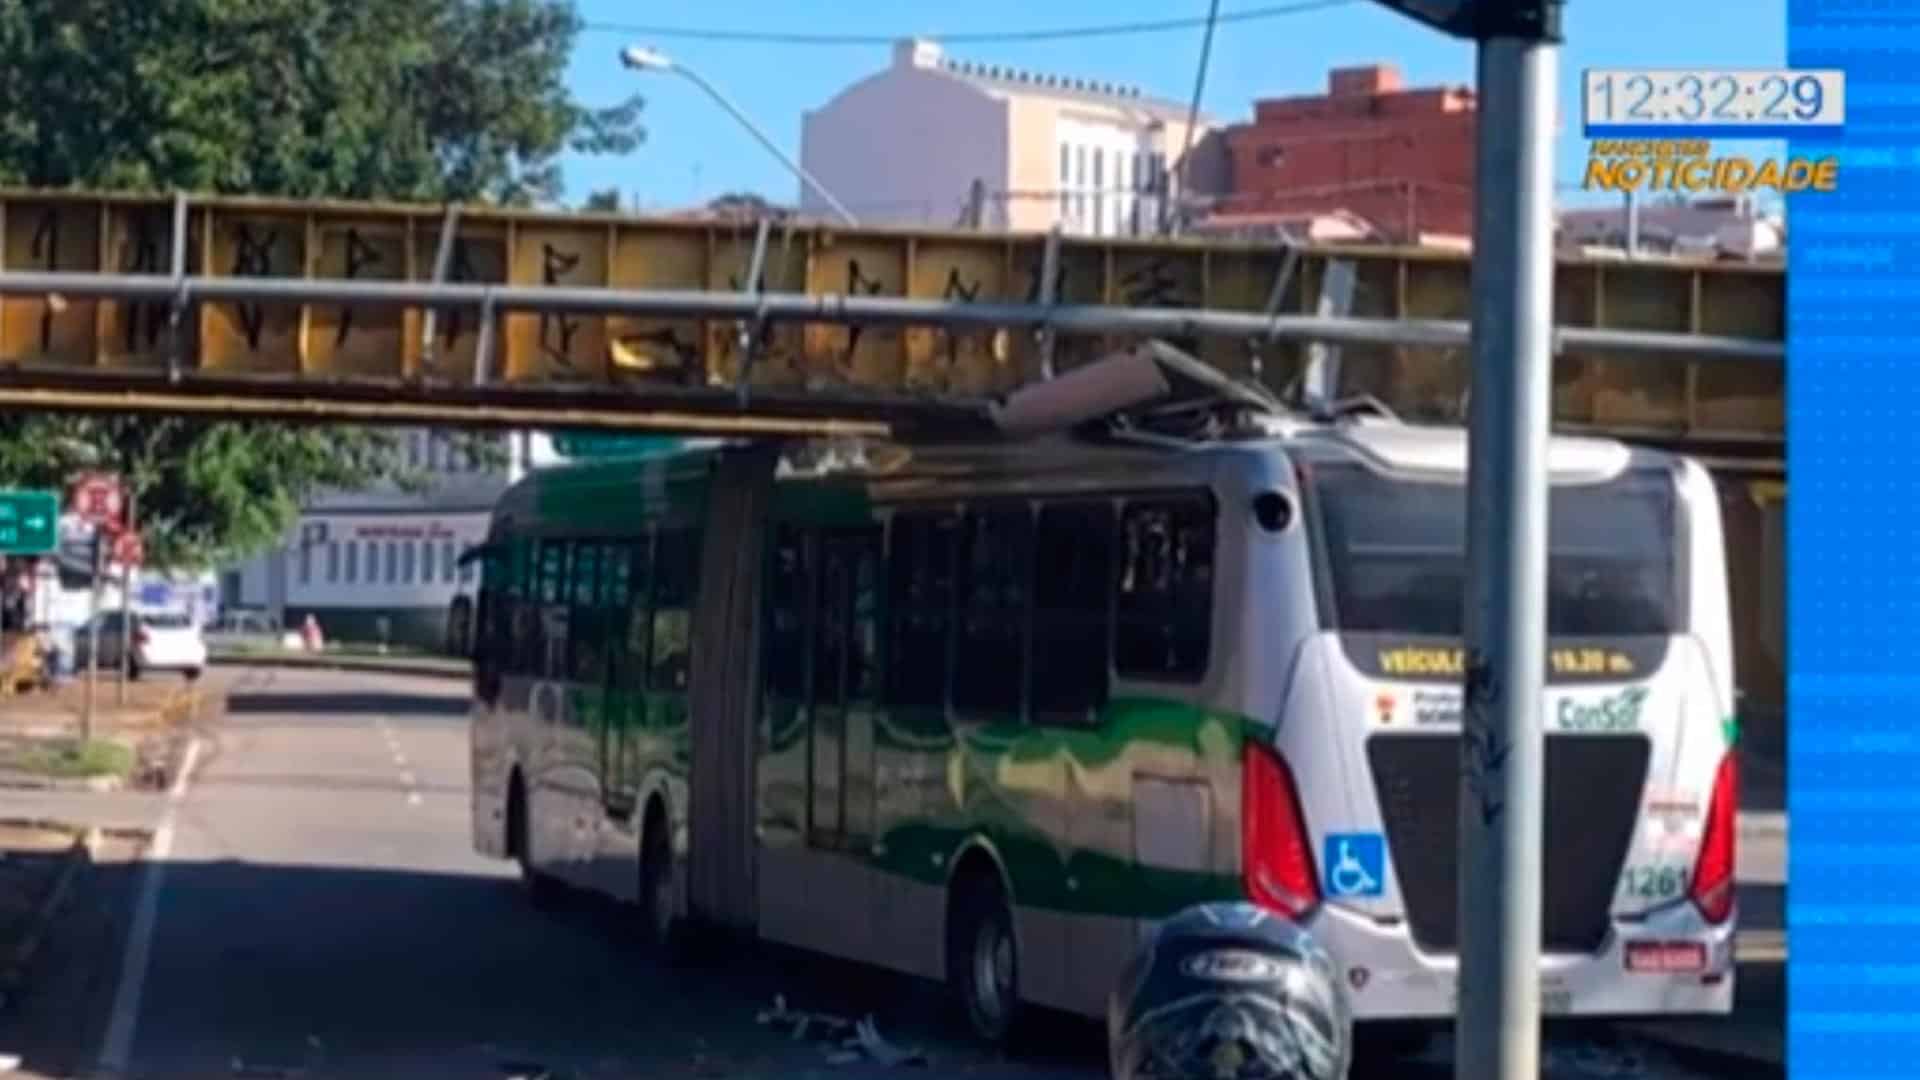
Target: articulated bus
point(985, 714)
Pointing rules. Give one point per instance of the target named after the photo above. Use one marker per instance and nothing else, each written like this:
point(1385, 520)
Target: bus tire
point(983, 961)
point(662, 932)
point(541, 891)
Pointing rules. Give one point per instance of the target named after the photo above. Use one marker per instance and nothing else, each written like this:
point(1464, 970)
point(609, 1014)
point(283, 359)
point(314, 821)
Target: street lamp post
point(638, 58)
point(1503, 741)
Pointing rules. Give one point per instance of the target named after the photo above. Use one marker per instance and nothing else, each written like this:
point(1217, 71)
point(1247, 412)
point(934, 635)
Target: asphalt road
point(320, 913)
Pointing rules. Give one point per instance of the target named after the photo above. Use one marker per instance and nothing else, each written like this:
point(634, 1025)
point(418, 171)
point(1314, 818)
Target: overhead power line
point(1155, 26)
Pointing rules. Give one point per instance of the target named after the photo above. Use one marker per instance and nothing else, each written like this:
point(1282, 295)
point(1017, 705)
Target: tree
point(606, 200)
point(746, 205)
point(402, 99)
point(457, 100)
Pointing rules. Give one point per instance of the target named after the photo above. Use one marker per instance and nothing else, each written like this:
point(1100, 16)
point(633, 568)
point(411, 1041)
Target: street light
point(640, 58)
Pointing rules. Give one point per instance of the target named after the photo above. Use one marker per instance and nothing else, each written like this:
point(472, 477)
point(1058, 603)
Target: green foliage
point(68, 758)
point(400, 99)
point(460, 100)
point(207, 493)
point(605, 201)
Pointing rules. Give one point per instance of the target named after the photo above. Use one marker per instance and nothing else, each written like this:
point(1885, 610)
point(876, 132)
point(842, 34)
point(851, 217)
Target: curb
point(13, 975)
point(29, 782)
point(376, 666)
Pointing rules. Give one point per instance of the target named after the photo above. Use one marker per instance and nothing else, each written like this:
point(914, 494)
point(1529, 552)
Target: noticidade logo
point(1688, 166)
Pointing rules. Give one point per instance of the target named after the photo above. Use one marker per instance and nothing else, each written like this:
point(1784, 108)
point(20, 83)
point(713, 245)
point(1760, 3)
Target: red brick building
point(1400, 159)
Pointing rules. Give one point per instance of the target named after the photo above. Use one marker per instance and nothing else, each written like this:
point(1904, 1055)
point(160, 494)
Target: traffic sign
point(29, 522)
point(98, 500)
point(600, 445)
point(128, 550)
point(1480, 20)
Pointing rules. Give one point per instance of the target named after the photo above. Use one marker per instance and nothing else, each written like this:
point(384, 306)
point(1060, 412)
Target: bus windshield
point(1397, 561)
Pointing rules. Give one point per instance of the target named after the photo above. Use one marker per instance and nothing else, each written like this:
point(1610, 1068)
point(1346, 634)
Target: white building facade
point(358, 557)
point(911, 145)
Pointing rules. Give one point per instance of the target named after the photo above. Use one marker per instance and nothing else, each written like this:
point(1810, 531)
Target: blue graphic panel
point(1355, 865)
point(1853, 398)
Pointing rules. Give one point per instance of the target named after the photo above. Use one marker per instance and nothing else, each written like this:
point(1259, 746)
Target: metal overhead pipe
point(1083, 319)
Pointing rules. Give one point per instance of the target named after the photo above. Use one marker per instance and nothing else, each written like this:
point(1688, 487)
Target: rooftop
point(1002, 79)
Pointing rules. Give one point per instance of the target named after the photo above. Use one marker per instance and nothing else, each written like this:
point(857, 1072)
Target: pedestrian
point(310, 634)
point(1230, 991)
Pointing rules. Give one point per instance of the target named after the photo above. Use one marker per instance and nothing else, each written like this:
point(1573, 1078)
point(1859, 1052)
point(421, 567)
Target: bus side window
point(919, 608)
point(525, 609)
point(673, 586)
point(586, 660)
point(617, 589)
point(1072, 624)
point(996, 594)
point(554, 555)
point(785, 663)
point(636, 650)
point(1164, 616)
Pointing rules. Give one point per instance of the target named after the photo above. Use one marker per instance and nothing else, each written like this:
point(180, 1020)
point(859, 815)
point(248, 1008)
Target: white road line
point(407, 778)
point(413, 798)
point(118, 1045)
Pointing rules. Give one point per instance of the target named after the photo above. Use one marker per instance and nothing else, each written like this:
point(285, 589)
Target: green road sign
point(594, 444)
point(29, 522)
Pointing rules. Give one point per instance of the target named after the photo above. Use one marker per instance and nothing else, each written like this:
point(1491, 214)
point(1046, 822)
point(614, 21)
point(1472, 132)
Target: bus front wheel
point(983, 962)
point(540, 889)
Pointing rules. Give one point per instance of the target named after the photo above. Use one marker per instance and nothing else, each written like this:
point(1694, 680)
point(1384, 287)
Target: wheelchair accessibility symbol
point(1356, 864)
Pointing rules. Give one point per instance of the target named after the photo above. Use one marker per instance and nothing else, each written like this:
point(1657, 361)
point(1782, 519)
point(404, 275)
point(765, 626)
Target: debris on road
point(855, 1041)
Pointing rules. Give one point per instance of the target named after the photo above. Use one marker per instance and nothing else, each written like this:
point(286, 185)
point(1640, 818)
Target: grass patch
point(69, 758)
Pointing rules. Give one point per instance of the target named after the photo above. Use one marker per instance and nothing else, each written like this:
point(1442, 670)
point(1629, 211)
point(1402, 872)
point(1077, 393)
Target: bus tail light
point(1713, 874)
point(1276, 861)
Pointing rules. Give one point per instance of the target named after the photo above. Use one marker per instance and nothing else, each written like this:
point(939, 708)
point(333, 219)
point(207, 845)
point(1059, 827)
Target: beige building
point(930, 138)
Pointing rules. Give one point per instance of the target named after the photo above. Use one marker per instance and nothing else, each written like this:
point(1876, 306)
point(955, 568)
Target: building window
point(447, 560)
point(1099, 192)
point(426, 562)
point(1066, 164)
point(413, 450)
point(333, 561)
point(306, 562)
point(406, 563)
point(353, 562)
point(1080, 166)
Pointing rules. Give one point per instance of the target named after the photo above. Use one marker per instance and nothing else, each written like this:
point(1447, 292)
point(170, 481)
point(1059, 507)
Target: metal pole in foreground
point(1503, 740)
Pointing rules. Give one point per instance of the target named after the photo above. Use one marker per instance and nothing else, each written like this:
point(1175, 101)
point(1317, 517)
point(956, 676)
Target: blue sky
point(694, 151)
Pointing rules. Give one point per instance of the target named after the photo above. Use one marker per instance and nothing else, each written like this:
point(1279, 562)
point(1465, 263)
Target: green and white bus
point(983, 714)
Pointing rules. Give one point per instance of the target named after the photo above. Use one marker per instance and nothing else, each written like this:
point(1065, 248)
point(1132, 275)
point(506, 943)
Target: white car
point(162, 641)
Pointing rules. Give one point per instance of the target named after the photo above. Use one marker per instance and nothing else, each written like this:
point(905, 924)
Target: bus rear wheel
point(663, 932)
point(983, 963)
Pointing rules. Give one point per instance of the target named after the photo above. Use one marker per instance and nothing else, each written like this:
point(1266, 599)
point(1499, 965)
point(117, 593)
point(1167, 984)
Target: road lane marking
point(406, 778)
point(413, 798)
point(117, 1048)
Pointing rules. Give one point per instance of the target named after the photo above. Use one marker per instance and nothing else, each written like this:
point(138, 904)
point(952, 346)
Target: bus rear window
point(1396, 554)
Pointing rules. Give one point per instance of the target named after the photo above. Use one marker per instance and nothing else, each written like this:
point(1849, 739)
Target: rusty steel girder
point(391, 361)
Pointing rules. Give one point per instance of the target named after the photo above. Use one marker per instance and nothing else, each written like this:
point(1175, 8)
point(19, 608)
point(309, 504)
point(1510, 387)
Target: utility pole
point(126, 602)
point(1503, 746)
point(93, 635)
point(1503, 739)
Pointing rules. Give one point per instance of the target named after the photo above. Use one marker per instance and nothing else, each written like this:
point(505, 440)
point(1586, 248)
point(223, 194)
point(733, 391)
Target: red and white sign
point(128, 549)
point(1666, 957)
point(98, 500)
